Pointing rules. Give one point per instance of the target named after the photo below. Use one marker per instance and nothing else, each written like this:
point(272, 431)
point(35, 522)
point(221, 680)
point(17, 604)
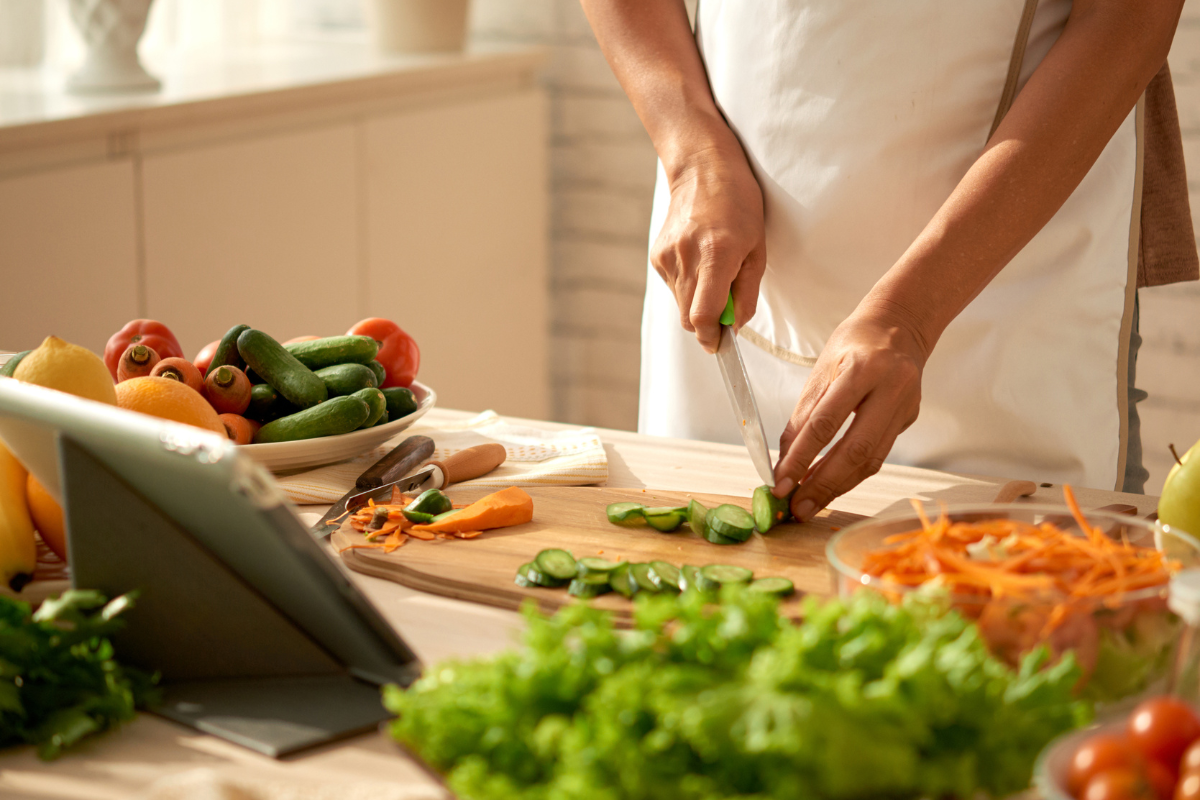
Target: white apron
point(859, 118)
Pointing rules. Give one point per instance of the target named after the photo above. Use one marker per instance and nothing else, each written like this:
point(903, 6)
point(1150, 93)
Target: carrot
point(179, 369)
point(238, 429)
point(507, 507)
point(136, 361)
point(227, 389)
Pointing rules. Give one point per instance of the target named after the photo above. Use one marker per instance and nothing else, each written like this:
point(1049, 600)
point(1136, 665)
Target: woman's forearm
point(1056, 129)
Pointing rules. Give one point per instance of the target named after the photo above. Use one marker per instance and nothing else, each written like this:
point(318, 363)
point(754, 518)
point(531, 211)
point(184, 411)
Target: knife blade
point(400, 460)
point(741, 396)
point(461, 466)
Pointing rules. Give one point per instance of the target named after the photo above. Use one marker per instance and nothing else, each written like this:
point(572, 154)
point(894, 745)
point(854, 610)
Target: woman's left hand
point(871, 368)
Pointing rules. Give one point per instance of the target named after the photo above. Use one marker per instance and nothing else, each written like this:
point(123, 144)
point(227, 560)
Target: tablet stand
point(233, 664)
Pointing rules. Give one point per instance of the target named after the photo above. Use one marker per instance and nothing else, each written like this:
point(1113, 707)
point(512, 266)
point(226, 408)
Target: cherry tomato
point(1191, 758)
point(1118, 784)
point(1161, 778)
point(1099, 753)
point(1161, 728)
point(205, 356)
point(1188, 787)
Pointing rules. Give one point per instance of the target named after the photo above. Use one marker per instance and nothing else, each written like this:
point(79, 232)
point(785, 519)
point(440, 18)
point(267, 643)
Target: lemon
point(68, 368)
point(168, 399)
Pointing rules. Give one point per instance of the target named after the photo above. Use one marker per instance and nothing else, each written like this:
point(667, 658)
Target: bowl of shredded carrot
point(1093, 583)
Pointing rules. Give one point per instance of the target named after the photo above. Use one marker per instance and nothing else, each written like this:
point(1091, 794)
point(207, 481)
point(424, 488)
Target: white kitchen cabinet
point(68, 262)
point(456, 246)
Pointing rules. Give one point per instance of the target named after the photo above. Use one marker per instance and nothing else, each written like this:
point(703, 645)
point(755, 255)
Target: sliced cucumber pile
point(725, 524)
point(592, 576)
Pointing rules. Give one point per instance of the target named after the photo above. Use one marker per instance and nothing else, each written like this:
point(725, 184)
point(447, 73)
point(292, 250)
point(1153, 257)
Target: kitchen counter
point(149, 750)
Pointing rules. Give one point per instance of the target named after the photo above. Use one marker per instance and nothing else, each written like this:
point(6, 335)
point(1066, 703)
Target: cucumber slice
point(714, 576)
point(558, 564)
point(780, 587)
point(431, 502)
point(522, 578)
point(419, 517)
point(641, 575)
point(443, 515)
point(732, 522)
point(769, 510)
point(537, 577)
point(716, 538)
point(696, 514)
point(687, 577)
point(580, 587)
point(665, 576)
point(594, 577)
point(629, 514)
point(622, 581)
point(589, 565)
point(665, 519)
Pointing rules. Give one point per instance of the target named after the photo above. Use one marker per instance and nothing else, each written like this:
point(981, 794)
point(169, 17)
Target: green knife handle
point(727, 314)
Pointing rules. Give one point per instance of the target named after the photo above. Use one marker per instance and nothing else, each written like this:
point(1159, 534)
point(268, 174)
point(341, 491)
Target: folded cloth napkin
point(536, 457)
point(209, 784)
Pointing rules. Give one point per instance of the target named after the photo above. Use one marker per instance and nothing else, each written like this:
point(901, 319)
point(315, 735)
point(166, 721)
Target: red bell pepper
point(153, 334)
point(398, 353)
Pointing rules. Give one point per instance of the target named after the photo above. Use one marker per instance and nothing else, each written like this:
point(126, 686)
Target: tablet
point(258, 633)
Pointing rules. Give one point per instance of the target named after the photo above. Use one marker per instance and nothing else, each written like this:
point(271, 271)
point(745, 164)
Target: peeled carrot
point(507, 507)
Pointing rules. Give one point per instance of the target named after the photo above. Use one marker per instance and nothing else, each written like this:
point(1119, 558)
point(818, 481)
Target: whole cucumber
point(10, 366)
point(266, 405)
point(333, 417)
point(380, 372)
point(227, 351)
point(376, 401)
point(400, 402)
point(297, 383)
point(344, 379)
point(320, 353)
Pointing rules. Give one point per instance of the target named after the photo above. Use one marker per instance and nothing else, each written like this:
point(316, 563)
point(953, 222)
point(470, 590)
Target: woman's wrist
point(697, 142)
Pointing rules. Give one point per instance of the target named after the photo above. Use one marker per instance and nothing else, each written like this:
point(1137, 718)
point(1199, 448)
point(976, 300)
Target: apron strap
point(1014, 64)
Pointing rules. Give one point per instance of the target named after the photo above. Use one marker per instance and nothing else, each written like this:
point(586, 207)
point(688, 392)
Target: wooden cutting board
point(482, 570)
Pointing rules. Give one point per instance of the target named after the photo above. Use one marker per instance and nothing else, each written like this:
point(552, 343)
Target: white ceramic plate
point(308, 453)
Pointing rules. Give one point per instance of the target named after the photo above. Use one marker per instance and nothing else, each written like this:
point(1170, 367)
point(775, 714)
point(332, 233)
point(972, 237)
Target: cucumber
point(419, 517)
point(296, 382)
point(665, 576)
point(627, 514)
point(583, 589)
point(522, 579)
point(343, 379)
point(715, 538)
point(622, 581)
point(339, 415)
point(714, 576)
point(537, 577)
point(266, 405)
point(641, 575)
point(227, 354)
point(687, 577)
point(780, 587)
point(380, 372)
point(431, 502)
point(10, 366)
point(696, 514)
point(558, 564)
point(444, 514)
point(769, 510)
point(665, 519)
point(400, 402)
point(383, 419)
point(730, 521)
point(374, 400)
point(320, 353)
point(591, 565)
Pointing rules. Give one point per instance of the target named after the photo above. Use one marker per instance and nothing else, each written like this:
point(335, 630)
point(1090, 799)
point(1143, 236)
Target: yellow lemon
point(168, 399)
point(69, 368)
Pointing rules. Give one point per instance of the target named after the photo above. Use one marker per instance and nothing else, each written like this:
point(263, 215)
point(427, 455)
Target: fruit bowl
point(1122, 640)
point(309, 453)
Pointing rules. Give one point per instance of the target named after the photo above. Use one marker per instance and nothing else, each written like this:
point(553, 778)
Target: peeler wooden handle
point(471, 463)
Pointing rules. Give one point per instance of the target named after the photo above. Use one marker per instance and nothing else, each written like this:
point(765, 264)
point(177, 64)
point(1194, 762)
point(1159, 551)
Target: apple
point(1179, 505)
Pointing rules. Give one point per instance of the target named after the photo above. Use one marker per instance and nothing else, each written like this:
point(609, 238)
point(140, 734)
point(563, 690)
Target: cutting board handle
point(471, 463)
point(1014, 489)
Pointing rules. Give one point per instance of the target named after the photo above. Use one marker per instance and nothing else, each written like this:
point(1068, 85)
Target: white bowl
point(308, 453)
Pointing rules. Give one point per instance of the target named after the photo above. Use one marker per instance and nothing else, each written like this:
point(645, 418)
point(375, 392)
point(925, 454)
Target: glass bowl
point(1053, 763)
point(1123, 641)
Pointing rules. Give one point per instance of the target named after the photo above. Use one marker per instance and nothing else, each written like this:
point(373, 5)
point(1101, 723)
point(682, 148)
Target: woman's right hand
point(713, 241)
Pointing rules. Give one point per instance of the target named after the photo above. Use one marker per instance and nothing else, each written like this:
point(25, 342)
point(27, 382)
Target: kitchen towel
point(536, 457)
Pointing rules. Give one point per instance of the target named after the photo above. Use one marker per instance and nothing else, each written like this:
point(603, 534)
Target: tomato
point(1191, 758)
point(1161, 728)
point(155, 335)
point(1188, 787)
point(1100, 753)
point(1161, 778)
point(1118, 784)
point(398, 353)
point(205, 356)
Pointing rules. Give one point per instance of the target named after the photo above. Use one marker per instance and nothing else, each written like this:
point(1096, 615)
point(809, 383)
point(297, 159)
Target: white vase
point(111, 29)
point(419, 26)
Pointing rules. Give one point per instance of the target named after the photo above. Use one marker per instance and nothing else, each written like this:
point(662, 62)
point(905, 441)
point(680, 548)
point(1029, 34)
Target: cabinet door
point(456, 246)
point(260, 231)
point(68, 255)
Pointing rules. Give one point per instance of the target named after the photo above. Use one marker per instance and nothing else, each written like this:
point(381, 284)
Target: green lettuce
point(863, 698)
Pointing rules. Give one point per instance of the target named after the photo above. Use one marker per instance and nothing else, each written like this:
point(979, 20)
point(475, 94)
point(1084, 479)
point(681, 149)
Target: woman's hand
point(713, 240)
point(871, 368)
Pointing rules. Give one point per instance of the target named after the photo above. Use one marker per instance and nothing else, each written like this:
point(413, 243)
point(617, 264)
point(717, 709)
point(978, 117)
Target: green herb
point(59, 681)
point(863, 698)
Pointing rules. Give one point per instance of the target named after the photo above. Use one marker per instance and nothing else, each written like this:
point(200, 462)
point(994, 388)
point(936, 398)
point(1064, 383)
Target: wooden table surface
point(154, 758)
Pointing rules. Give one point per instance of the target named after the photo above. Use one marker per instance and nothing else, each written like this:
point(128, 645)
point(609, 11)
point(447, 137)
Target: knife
point(461, 466)
point(397, 462)
point(741, 396)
